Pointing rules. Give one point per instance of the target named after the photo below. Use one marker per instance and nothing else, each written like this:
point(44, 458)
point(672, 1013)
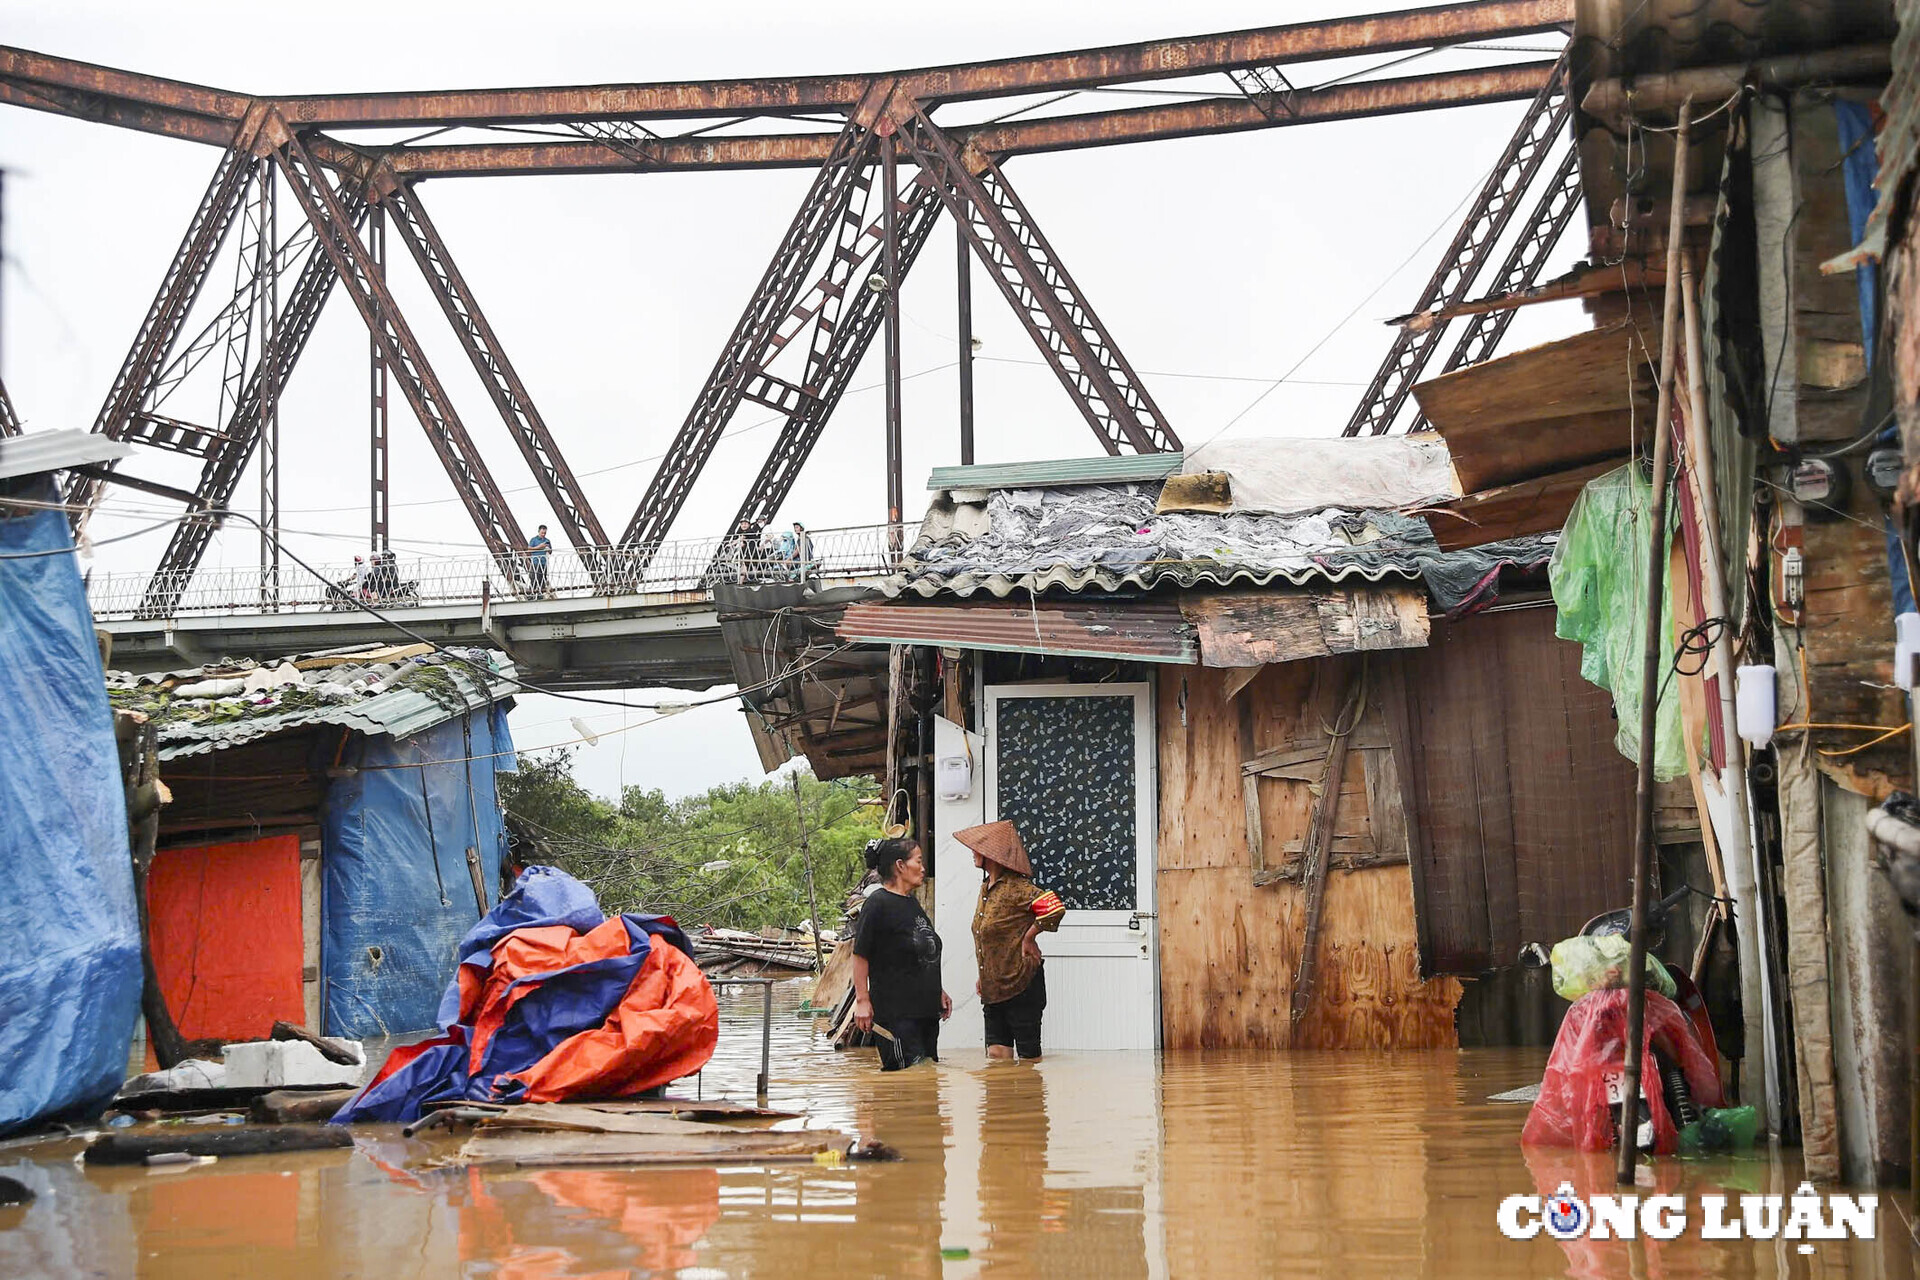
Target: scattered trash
point(1721, 1130)
point(288, 1106)
point(171, 1157)
point(954, 1253)
point(1525, 1093)
point(194, 1073)
point(1584, 964)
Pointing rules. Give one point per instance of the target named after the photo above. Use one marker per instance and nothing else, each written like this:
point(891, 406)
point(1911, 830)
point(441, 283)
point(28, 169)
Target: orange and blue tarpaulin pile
point(551, 1000)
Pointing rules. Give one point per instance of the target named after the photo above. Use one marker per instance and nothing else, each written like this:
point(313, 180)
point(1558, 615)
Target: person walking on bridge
point(538, 547)
point(1007, 922)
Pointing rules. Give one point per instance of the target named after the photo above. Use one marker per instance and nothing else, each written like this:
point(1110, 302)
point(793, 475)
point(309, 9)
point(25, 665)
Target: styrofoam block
point(288, 1064)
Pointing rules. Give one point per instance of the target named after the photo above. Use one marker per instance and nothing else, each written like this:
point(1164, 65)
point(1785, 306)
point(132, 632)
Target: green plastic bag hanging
point(1599, 579)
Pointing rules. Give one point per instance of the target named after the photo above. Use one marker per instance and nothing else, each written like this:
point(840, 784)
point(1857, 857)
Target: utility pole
point(806, 865)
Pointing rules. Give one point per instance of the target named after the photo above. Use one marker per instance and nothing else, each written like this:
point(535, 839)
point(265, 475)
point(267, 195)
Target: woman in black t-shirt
point(896, 961)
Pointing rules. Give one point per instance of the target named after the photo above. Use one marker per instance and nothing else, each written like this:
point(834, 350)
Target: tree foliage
point(729, 857)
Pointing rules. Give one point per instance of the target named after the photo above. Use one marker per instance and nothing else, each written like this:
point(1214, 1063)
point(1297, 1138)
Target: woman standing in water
point(1006, 939)
point(896, 961)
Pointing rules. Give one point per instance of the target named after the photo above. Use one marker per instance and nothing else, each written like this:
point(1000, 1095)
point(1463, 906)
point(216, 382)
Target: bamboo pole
point(1654, 660)
point(1737, 875)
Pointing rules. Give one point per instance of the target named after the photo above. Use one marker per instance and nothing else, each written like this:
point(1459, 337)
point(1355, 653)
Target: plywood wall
point(1228, 951)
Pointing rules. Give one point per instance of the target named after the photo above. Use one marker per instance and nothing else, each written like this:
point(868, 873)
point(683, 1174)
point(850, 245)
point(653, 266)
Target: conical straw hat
point(998, 842)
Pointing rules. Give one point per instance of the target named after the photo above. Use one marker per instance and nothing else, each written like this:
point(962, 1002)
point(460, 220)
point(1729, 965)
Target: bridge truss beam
point(1082, 354)
point(473, 483)
point(757, 337)
point(502, 381)
point(1486, 220)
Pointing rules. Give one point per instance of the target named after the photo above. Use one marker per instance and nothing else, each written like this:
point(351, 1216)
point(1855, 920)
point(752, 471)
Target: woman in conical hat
point(1007, 923)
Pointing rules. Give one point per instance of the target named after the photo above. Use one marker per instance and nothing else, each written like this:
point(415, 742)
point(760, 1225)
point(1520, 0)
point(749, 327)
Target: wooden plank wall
point(1847, 624)
point(1228, 951)
point(1523, 805)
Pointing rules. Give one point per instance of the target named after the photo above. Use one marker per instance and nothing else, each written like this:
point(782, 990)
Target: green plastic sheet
point(1599, 578)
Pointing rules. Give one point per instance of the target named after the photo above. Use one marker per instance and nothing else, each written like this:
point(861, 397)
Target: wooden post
point(1654, 661)
point(806, 865)
point(1316, 854)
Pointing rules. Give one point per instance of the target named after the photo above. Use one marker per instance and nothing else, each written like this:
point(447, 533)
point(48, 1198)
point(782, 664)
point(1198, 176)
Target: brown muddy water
point(1233, 1164)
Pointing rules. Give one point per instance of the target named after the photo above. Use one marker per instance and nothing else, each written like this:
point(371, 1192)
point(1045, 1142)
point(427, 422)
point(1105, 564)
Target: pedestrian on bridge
point(538, 546)
point(800, 553)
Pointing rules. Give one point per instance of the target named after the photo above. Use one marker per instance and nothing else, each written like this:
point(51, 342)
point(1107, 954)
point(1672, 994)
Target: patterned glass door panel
point(1072, 765)
point(1066, 780)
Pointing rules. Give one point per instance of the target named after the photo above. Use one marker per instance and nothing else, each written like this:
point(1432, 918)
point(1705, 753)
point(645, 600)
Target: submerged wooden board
point(531, 1150)
point(1228, 950)
point(569, 1117)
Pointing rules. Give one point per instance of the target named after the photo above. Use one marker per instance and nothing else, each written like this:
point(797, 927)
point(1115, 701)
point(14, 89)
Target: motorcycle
point(1582, 1099)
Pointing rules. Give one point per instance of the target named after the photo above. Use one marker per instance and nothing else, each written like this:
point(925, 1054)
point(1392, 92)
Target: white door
point(1072, 766)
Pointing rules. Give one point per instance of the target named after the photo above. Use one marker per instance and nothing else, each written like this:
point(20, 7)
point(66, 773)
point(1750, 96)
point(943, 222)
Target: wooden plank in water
point(532, 1150)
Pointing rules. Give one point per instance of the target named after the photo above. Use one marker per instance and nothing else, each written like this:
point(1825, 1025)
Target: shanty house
point(334, 831)
point(1272, 743)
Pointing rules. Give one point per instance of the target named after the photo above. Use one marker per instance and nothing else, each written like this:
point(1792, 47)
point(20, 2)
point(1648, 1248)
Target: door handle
point(1133, 921)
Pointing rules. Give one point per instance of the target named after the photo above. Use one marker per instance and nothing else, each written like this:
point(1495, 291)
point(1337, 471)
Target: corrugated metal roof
point(1134, 468)
point(1110, 538)
point(398, 712)
point(1368, 567)
point(39, 451)
point(1149, 629)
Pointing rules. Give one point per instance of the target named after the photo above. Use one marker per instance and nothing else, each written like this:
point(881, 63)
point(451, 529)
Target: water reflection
point(1114, 1165)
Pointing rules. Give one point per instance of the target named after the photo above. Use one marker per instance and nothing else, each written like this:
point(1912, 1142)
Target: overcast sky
point(1219, 264)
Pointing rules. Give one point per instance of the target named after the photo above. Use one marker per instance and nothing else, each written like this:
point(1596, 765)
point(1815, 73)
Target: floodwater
point(1118, 1165)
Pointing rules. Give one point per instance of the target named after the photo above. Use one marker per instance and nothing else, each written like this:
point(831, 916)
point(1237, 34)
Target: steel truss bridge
point(887, 166)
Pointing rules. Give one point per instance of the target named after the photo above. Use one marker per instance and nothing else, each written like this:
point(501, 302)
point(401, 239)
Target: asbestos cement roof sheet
point(42, 451)
point(410, 698)
point(1125, 469)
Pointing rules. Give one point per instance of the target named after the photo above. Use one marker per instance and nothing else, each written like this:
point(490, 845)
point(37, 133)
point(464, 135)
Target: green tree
point(729, 857)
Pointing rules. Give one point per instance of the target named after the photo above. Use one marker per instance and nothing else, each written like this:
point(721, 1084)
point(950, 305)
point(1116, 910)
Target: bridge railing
point(686, 566)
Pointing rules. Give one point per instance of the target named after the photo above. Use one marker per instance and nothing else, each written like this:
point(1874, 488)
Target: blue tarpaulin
point(398, 892)
point(70, 985)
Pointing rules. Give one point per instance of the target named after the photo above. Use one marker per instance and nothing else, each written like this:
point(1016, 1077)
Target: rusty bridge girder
point(756, 338)
point(473, 483)
point(1541, 129)
point(228, 454)
point(1082, 354)
point(134, 385)
point(850, 235)
point(139, 101)
point(497, 374)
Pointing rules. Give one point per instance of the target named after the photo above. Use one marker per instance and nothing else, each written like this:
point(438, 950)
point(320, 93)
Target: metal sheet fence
point(693, 565)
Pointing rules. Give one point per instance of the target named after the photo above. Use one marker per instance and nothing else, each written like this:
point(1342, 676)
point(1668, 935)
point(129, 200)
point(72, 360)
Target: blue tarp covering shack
point(70, 986)
point(391, 752)
point(400, 891)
